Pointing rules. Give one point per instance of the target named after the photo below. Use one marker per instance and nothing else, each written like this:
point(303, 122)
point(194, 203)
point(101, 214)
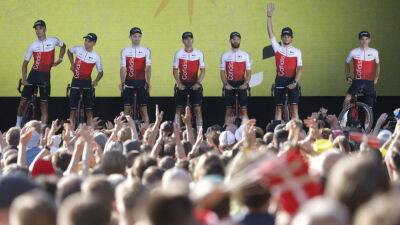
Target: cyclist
point(289, 66)
point(43, 50)
point(135, 72)
point(235, 72)
point(187, 62)
point(86, 58)
point(365, 64)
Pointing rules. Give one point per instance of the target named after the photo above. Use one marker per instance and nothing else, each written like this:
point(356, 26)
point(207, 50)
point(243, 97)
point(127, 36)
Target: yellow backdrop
point(324, 30)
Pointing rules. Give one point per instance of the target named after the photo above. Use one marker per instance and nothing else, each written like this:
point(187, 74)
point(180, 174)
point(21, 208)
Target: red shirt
point(287, 59)
point(364, 61)
point(43, 53)
point(235, 64)
point(84, 62)
point(188, 64)
point(135, 59)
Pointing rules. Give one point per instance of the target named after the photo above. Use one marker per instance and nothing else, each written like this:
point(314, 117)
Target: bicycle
point(80, 110)
point(31, 112)
point(236, 112)
point(357, 114)
point(286, 111)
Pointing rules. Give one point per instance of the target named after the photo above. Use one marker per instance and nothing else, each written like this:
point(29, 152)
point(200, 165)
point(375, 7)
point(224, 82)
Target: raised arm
point(270, 10)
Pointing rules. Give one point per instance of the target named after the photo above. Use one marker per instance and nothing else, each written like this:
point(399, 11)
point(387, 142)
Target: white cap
point(176, 180)
point(239, 133)
point(384, 135)
point(226, 138)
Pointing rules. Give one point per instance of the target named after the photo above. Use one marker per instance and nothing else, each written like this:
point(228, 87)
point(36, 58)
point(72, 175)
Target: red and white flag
point(287, 176)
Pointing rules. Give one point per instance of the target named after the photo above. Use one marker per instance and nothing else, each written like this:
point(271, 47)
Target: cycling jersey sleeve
point(73, 50)
point(29, 53)
point(202, 64)
point(99, 66)
point(349, 57)
point(148, 57)
point(123, 58)
point(58, 42)
point(299, 59)
point(222, 64)
point(275, 44)
point(248, 63)
point(176, 61)
point(376, 57)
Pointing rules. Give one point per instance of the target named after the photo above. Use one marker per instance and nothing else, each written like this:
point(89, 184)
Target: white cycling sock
point(19, 120)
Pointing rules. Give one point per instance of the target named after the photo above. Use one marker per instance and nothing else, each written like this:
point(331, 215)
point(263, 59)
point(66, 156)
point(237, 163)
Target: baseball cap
point(226, 138)
point(135, 30)
point(91, 37)
point(287, 31)
point(187, 34)
point(42, 167)
point(235, 34)
point(39, 23)
point(364, 34)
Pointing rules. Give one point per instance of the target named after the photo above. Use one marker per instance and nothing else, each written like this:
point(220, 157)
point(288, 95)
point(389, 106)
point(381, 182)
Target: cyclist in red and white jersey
point(188, 61)
point(86, 58)
point(43, 51)
point(365, 66)
point(289, 66)
point(135, 72)
point(235, 72)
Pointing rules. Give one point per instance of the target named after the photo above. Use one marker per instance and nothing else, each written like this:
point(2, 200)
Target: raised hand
point(187, 118)
point(26, 135)
point(270, 9)
point(159, 114)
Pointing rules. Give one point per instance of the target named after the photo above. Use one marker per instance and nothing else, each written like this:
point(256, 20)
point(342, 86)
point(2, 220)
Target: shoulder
point(244, 53)
point(296, 50)
point(198, 51)
point(373, 50)
point(179, 52)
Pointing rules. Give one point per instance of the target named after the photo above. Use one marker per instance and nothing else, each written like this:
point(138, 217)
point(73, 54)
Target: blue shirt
point(258, 219)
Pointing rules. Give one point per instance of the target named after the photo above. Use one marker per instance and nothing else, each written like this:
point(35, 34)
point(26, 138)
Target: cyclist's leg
point(44, 97)
point(88, 99)
point(127, 98)
point(73, 103)
point(143, 96)
point(180, 102)
point(293, 100)
point(196, 100)
point(243, 104)
point(279, 95)
point(44, 109)
point(229, 104)
point(369, 91)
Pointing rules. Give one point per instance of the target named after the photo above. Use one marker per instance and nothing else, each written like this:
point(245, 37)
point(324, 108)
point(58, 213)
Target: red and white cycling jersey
point(43, 53)
point(84, 62)
point(188, 64)
point(235, 64)
point(135, 59)
point(364, 61)
point(287, 59)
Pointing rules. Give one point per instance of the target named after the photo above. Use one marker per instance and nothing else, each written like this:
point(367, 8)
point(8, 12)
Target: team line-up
point(188, 72)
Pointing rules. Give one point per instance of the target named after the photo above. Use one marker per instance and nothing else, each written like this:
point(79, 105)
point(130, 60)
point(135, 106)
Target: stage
point(260, 108)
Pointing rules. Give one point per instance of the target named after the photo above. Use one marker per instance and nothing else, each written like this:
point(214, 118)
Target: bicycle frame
point(32, 103)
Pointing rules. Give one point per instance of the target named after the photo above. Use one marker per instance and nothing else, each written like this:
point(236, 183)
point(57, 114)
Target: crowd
point(302, 173)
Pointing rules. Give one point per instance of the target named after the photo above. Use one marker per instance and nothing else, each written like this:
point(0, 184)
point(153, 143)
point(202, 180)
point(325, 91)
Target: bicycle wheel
point(365, 120)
